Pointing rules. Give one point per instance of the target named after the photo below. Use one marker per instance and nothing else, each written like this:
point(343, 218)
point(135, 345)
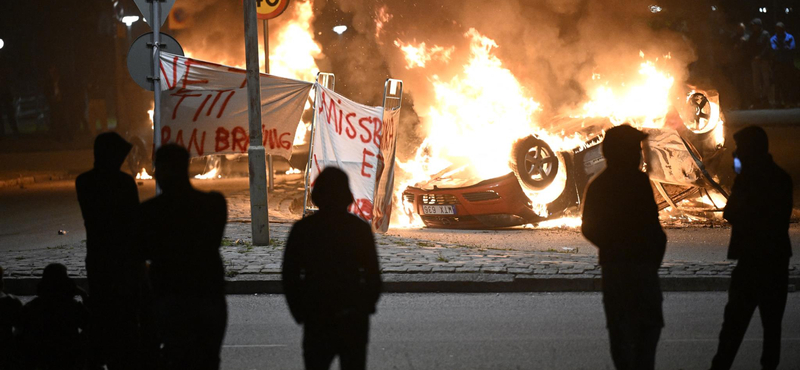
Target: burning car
point(681, 155)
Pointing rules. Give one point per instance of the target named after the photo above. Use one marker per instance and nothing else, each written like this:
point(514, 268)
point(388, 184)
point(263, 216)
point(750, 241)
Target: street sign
point(140, 57)
point(268, 9)
point(144, 7)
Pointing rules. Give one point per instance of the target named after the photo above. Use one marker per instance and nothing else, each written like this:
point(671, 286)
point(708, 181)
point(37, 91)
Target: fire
point(643, 103)
point(150, 113)
point(296, 51)
point(143, 175)
point(382, 17)
point(476, 117)
point(211, 174)
point(419, 55)
point(482, 108)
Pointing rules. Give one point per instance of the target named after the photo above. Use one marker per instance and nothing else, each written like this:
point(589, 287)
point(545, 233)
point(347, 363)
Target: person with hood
point(180, 232)
point(620, 217)
point(109, 199)
point(52, 327)
point(331, 277)
point(758, 210)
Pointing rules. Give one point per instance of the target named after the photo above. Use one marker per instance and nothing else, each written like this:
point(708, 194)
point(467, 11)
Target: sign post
point(256, 154)
point(266, 10)
point(155, 13)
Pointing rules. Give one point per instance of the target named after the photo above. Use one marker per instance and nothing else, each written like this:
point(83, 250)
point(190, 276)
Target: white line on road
point(717, 339)
point(253, 345)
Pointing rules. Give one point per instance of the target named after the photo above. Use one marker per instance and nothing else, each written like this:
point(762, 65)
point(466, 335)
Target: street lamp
point(2, 43)
point(130, 19)
point(340, 29)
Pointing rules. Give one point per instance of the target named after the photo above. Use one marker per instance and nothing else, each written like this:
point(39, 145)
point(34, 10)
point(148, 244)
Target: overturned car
point(682, 157)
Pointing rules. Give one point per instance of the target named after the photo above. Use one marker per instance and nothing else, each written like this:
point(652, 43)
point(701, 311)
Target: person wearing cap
point(331, 277)
point(620, 217)
point(784, 72)
point(758, 209)
point(760, 63)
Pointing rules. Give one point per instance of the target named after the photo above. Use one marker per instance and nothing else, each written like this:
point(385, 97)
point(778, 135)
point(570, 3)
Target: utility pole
point(256, 154)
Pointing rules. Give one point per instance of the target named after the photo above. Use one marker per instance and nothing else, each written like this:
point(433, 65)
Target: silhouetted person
point(109, 199)
point(620, 217)
point(760, 50)
point(10, 308)
point(331, 277)
point(758, 210)
point(52, 327)
point(182, 231)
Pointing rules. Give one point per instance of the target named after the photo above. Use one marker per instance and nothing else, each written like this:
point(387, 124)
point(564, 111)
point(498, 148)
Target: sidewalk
point(407, 264)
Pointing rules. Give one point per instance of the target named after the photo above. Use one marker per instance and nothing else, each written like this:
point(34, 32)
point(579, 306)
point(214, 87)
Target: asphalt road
point(500, 331)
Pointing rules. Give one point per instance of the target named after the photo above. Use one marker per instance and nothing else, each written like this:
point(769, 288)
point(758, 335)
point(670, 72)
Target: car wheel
point(534, 163)
point(139, 159)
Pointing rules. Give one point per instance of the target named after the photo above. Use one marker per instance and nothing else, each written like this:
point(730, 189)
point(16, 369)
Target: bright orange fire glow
point(642, 103)
point(419, 55)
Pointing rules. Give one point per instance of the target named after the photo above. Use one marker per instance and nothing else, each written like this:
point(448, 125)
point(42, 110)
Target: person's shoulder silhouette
point(333, 253)
point(182, 228)
point(52, 325)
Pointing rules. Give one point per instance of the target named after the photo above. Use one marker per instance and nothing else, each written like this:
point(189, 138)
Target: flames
point(643, 102)
point(472, 123)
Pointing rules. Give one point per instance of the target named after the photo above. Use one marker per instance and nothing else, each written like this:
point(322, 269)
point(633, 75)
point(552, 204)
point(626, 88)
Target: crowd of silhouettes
point(157, 287)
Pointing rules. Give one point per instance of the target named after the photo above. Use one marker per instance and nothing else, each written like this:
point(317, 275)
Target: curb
point(38, 178)
point(449, 283)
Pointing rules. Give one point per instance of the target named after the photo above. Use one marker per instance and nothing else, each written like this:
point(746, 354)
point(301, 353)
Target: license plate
point(439, 210)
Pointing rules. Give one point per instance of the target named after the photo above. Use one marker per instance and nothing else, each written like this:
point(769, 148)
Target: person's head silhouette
point(752, 144)
point(55, 282)
point(110, 151)
point(172, 168)
point(332, 190)
point(622, 147)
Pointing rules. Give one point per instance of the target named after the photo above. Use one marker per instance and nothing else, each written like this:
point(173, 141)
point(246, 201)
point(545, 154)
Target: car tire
point(534, 163)
point(139, 158)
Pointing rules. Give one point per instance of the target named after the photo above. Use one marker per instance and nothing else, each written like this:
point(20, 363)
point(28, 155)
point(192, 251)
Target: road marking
point(253, 345)
point(717, 339)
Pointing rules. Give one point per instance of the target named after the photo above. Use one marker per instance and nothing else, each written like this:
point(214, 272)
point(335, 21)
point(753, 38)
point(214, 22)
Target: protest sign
point(348, 136)
point(204, 108)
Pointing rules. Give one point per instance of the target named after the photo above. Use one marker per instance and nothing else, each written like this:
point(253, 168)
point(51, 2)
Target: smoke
point(553, 47)
point(214, 30)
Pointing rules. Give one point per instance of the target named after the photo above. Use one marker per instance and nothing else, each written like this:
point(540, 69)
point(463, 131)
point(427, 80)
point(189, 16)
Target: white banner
point(204, 108)
point(348, 136)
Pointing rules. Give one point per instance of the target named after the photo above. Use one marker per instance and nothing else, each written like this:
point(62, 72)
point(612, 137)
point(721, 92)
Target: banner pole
point(259, 210)
point(271, 169)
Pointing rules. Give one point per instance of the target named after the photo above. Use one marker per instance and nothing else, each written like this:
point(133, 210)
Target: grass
point(442, 258)
point(425, 244)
